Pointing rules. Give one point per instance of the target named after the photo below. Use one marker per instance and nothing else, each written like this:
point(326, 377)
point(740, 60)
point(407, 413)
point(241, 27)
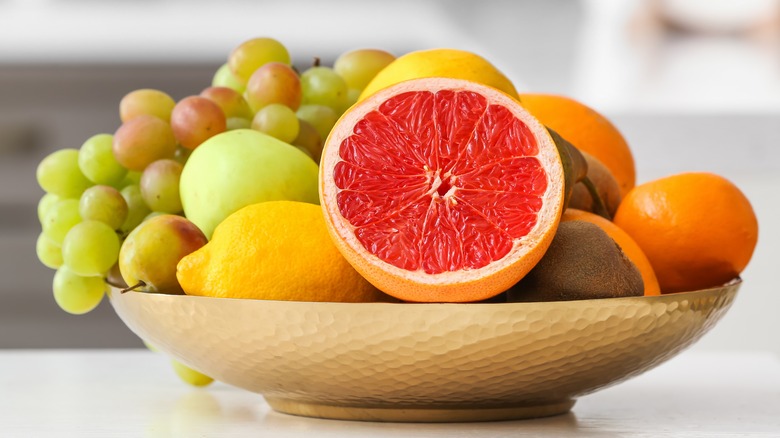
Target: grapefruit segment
point(441, 190)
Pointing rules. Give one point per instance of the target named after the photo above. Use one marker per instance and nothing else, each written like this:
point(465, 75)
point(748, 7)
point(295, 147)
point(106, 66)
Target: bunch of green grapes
point(299, 109)
point(98, 194)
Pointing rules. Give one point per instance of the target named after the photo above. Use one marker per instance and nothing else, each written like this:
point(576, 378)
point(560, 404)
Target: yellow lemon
point(447, 63)
point(276, 250)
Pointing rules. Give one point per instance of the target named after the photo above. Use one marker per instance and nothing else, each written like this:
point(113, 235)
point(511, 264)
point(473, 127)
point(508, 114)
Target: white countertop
point(134, 393)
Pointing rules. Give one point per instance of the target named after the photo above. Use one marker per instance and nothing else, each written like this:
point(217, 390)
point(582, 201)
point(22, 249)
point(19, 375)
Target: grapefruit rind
point(452, 286)
point(440, 62)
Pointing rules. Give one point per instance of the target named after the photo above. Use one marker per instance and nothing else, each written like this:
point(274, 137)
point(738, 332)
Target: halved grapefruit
point(441, 190)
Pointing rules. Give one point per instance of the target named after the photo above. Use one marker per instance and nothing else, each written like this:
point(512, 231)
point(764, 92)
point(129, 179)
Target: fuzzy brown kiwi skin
point(582, 263)
point(604, 183)
point(575, 167)
point(576, 175)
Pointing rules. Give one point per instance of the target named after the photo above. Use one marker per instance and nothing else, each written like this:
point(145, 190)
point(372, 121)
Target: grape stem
point(140, 283)
point(316, 62)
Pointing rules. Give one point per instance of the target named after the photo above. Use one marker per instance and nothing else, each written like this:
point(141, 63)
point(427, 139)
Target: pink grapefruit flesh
point(441, 190)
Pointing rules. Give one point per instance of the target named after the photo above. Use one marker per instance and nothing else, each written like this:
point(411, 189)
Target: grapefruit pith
point(441, 190)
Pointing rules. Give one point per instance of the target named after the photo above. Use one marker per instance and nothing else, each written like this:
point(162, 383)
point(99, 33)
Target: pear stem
point(140, 283)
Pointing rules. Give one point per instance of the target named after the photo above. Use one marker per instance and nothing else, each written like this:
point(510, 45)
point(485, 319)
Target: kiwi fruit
point(575, 168)
point(605, 185)
point(582, 263)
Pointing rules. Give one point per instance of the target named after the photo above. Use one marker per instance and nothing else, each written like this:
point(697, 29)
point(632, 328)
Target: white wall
point(684, 100)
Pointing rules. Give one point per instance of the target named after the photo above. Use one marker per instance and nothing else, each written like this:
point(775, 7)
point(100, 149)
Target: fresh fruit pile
point(437, 181)
point(107, 194)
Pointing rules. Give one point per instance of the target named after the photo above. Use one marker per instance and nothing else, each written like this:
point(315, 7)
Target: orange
point(697, 229)
point(441, 190)
point(587, 130)
point(627, 244)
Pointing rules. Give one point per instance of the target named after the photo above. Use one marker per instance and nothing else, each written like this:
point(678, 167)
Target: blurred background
point(692, 85)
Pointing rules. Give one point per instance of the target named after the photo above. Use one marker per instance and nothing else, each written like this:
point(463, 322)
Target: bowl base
point(419, 414)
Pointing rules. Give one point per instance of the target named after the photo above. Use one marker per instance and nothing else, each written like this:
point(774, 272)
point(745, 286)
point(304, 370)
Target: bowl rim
point(734, 283)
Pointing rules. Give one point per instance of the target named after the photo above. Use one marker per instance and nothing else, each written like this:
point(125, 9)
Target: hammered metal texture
point(354, 360)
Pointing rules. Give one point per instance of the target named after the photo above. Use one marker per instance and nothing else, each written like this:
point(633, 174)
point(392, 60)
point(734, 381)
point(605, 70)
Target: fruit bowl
point(423, 362)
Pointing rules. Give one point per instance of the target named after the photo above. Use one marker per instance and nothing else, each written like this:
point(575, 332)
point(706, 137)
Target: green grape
point(152, 215)
point(223, 77)
point(160, 186)
point(114, 277)
point(104, 204)
point(321, 117)
point(149, 345)
point(305, 151)
point(97, 160)
point(352, 97)
point(90, 248)
point(182, 155)
point(238, 123)
point(59, 173)
point(277, 121)
point(146, 101)
point(358, 67)
point(141, 140)
point(60, 218)
point(309, 140)
point(77, 294)
point(46, 202)
point(229, 100)
point(132, 177)
point(49, 253)
point(275, 82)
point(323, 86)
point(195, 119)
point(136, 208)
point(252, 54)
point(188, 375)
point(151, 252)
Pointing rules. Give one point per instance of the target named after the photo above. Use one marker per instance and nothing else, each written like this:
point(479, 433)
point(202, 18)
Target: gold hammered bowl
point(423, 362)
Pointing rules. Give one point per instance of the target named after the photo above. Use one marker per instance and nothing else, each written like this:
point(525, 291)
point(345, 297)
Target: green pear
point(242, 167)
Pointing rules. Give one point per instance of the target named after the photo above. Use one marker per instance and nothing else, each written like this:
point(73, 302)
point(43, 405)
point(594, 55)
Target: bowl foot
point(419, 414)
